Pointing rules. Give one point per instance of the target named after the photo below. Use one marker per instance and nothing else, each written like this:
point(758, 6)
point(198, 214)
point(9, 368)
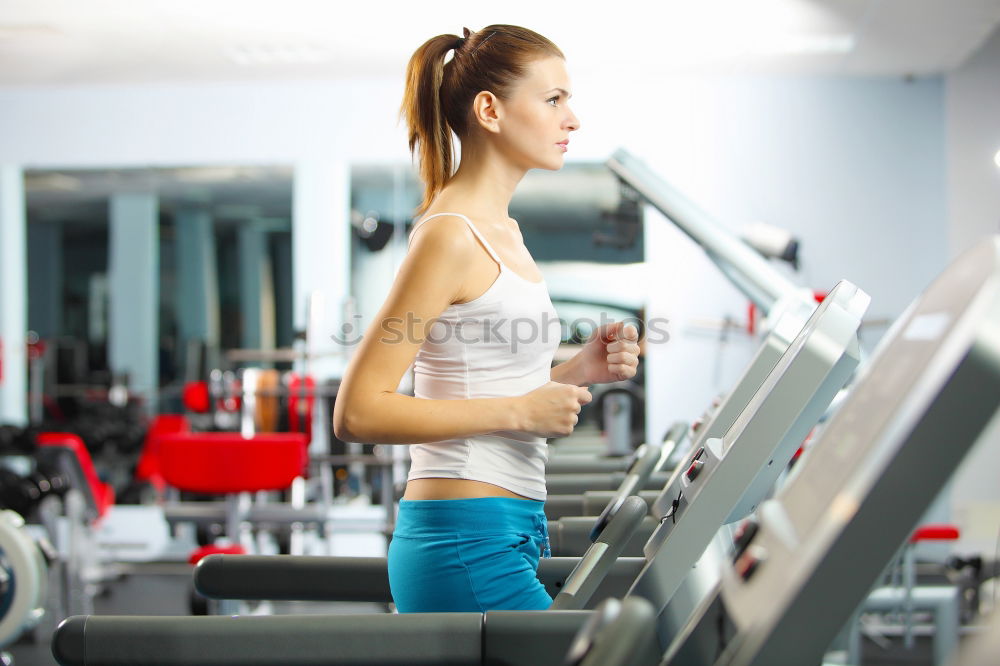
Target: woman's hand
point(551, 410)
point(611, 354)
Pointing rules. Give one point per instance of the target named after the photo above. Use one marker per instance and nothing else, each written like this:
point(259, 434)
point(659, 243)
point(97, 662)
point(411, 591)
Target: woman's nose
point(572, 123)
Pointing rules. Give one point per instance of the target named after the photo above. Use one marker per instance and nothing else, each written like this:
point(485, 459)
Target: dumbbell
point(23, 493)
point(15, 440)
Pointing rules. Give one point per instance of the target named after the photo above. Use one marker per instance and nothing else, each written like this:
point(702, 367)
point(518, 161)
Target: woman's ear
point(486, 109)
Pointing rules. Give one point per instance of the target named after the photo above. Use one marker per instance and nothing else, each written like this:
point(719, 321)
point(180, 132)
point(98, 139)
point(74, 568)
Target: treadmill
point(807, 560)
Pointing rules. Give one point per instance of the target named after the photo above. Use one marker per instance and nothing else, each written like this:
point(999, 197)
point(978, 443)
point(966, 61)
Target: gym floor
point(163, 588)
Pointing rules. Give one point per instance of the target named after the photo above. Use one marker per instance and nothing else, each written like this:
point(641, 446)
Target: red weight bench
point(148, 467)
point(100, 495)
point(226, 463)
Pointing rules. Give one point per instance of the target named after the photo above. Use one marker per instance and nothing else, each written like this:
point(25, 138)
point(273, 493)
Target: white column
point(321, 252)
point(13, 298)
point(134, 268)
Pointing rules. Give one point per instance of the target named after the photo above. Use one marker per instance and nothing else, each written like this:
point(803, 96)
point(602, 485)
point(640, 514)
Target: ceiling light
point(281, 54)
point(996, 158)
point(11, 31)
point(808, 44)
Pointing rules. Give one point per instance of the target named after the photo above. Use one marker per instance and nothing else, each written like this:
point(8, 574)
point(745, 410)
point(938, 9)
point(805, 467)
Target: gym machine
point(24, 575)
point(807, 561)
point(50, 502)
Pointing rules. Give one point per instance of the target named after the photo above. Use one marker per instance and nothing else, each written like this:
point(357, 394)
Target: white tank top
point(500, 344)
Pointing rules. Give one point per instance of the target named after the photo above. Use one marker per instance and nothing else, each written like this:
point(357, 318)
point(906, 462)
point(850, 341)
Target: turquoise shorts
point(468, 555)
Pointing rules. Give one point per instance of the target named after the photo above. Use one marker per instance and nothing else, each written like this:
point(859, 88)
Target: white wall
point(973, 130)
point(232, 123)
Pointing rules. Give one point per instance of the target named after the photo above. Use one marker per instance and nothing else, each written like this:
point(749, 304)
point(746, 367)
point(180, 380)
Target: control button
point(744, 535)
point(748, 563)
point(694, 470)
point(696, 465)
point(696, 425)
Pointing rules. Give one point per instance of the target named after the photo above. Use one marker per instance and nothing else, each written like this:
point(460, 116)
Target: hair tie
point(459, 43)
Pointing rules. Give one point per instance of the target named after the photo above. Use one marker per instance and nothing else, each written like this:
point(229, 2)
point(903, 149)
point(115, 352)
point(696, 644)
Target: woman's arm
point(368, 409)
point(570, 372)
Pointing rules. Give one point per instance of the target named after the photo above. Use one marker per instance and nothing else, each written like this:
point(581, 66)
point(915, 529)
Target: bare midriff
point(438, 489)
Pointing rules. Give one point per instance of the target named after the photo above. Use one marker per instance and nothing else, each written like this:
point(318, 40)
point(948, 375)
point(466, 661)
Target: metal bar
point(749, 271)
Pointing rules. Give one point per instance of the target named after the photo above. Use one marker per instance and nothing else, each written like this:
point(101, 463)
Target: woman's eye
point(553, 99)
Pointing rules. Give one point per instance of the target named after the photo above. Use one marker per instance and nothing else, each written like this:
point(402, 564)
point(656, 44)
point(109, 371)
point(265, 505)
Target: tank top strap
point(489, 248)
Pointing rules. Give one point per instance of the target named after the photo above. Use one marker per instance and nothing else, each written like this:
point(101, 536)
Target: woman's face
point(536, 121)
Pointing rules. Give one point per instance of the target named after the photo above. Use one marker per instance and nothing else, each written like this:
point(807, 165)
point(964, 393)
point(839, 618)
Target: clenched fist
point(552, 409)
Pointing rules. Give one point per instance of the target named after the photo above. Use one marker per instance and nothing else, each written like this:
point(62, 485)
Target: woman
point(470, 310)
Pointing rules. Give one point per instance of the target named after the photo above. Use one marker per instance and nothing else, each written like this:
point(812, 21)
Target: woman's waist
point(436, 488)
point(468, 515)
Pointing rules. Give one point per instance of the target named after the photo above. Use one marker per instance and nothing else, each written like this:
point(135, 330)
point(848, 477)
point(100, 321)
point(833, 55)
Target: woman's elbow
point(345, 426)
point(341, 432)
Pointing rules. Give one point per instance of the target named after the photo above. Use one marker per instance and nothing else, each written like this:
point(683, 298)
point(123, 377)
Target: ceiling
point(68, 42)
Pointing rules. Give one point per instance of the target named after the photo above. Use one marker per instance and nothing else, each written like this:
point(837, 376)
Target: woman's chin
point(553, 165)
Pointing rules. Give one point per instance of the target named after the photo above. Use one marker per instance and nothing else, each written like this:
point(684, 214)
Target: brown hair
point(438, 96)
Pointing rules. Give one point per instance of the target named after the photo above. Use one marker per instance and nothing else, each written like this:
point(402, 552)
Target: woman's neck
point(483, 185)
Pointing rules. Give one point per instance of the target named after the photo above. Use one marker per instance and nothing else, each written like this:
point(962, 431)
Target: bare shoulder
point(448, 231)
point(441, 249)
point(444, 240)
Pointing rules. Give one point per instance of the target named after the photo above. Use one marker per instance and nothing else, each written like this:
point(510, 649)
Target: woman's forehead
point(544, 75)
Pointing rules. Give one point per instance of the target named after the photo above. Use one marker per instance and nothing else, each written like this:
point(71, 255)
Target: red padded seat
point(227, 462)
point(148, 467)
point(935, 532)
point(104, 494)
